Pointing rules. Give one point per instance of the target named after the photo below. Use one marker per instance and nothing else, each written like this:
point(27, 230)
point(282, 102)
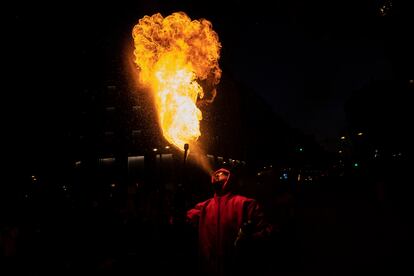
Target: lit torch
point(174, 54)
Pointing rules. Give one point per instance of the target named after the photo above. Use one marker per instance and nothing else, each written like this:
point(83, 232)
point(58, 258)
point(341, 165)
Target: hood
point(224, 187)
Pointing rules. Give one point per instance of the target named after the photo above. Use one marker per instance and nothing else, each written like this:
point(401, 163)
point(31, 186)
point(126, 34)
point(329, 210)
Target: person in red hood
point(226, 223)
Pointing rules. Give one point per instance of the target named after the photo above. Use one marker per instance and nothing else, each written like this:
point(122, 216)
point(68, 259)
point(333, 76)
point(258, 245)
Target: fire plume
point(174, 55)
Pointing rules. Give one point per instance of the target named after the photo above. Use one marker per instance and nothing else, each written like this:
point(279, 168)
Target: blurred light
point(300, 149)
point(106, 161)
point(356, 164)
point(210, 158)
point(155, 150)
point(113, 185)
point(136, 107)
point(136, 132)
point(360, 133)
point(343, 137)
point(167, 147)
point(385, 8)
point(412, 81)
point(136, 164)
point(340, 151)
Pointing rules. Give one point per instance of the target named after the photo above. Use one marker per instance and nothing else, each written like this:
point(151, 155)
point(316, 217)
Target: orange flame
point(172, 54)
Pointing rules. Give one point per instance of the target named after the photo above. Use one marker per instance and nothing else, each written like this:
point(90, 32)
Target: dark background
point(297, 76)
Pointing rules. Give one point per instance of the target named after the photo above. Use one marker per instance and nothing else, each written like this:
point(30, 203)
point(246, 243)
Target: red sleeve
point(261, 227)
point(194, 214)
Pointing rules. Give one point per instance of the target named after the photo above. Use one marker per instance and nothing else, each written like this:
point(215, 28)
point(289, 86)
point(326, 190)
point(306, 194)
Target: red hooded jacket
point(219, 221)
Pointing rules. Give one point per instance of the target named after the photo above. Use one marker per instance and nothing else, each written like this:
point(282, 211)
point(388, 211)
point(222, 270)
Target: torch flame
point(172, 54)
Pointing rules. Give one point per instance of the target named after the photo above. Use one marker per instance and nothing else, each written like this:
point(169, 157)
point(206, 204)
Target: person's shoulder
point(203, 203)
point(244, 198)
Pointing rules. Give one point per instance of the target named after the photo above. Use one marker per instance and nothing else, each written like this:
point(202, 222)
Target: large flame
point(173, 54)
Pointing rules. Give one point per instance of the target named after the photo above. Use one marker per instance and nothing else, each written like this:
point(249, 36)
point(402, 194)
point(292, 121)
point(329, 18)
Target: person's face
point(220, 176)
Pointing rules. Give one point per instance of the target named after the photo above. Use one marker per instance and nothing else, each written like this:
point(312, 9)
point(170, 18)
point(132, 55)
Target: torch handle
point(186, 147)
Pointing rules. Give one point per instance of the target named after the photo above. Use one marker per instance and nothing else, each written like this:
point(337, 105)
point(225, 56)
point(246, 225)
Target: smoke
point(200, 158)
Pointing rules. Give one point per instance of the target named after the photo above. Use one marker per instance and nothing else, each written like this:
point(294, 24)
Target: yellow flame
point(173, 54)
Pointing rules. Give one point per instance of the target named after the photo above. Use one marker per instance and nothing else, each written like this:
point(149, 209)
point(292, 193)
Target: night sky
point(304, 58)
